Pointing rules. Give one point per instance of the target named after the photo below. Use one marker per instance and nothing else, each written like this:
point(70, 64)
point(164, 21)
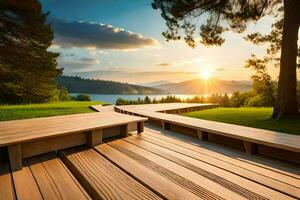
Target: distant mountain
point(89, 86)
point(199, 86)
point(153, 84)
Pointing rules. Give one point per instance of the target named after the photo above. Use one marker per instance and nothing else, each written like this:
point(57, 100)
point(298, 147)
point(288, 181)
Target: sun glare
point(205, 74)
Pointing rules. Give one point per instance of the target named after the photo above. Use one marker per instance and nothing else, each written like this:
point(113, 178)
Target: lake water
point(112, 98)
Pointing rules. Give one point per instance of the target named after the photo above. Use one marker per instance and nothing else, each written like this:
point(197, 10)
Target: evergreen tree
point(27, 68)
point(147, 100)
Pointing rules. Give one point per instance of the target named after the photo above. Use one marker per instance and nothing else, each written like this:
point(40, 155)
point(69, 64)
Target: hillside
point(199, 86)
point(89, 86)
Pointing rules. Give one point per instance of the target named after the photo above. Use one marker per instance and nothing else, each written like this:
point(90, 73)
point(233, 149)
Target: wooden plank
point(6, 183)
point(101, 108)
point(235, 182)
point(187, 179)
point(15, 156)
point(25, 186)
point(16, 131)
point(54, 180)
point(265, 137)
point(101, 178)
point(151, 179)
point(94, 138)
point(257, 163)
point(277, 181)
point(38, 147)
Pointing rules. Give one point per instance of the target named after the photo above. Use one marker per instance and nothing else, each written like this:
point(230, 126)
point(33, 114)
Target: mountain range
point(76, 84)
point(201, 86)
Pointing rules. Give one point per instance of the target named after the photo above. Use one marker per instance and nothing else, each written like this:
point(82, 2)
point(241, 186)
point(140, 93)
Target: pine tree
point(27, 68)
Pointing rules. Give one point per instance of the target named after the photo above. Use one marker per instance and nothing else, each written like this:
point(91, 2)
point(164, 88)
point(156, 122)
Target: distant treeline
point(76, 84)
point(222, 100)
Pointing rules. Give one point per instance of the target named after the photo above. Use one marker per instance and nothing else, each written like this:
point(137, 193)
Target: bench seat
point(31, 137)
point(250, 136)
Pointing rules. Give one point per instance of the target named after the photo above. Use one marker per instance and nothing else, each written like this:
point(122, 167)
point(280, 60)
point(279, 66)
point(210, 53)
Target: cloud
point(220, 69)
point(181, 62)
point(163, 64)
point(79, 61)
point(85, 34)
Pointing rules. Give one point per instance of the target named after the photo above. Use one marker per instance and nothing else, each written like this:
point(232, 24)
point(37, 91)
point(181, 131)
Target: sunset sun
point(206, 74)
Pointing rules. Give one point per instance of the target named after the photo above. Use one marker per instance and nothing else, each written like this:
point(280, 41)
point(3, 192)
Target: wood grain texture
point(17, 131)
point(151, 179)
point(254, 135)
point(187, 179)
point(102, 179)
point(237, 180)
point(37, 147)
point(25, 185)
point(254, 163)
point(6, 183)
point(54, 180)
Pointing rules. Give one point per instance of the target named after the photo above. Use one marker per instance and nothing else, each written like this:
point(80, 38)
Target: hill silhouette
point(76, 84)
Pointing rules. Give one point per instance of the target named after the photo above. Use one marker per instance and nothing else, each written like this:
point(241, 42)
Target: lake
point(112, 98)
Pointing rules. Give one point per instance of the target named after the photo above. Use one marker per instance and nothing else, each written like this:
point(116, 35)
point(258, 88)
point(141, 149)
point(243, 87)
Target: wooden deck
point(64, 158)
point(253, 140)
point(151, 166)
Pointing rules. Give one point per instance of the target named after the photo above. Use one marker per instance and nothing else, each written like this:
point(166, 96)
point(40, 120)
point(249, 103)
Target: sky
point(121, 40)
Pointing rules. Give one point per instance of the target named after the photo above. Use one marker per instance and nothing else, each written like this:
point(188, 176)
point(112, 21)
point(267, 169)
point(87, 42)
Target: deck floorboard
point(218, 171)
point(101, 178)
point(149, 166)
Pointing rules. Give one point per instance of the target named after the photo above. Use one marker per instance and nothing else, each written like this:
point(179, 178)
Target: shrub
point(255, 101)
point(81, 97)
point(60, 94)
point(238, 99)
point(63, 94)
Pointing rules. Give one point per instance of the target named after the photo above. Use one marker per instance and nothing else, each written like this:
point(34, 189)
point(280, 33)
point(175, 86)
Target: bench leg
point(166, 125)
point(251, 148)
point(124, 130)
point(94, 138)
point(140, 127)
point(15, 156)
point(202, 136)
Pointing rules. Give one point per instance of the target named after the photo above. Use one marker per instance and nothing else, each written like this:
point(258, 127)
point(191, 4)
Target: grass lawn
point(11, 112)
point(253, 117)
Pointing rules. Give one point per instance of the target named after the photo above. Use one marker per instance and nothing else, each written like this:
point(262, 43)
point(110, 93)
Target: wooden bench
point(251, 137)
point(30, 137)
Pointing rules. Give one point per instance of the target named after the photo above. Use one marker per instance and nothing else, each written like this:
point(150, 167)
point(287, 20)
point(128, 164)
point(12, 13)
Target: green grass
point(12, 112)
point(252, 117)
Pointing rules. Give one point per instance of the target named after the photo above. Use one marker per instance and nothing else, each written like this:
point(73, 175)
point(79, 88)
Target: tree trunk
point(286, 104)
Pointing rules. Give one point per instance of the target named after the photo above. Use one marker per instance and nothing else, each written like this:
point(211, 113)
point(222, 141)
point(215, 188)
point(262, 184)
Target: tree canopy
point(218, 16)
point(207, 20)
point(27, 68)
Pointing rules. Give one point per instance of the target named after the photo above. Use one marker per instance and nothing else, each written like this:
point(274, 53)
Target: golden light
point(206, 74)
